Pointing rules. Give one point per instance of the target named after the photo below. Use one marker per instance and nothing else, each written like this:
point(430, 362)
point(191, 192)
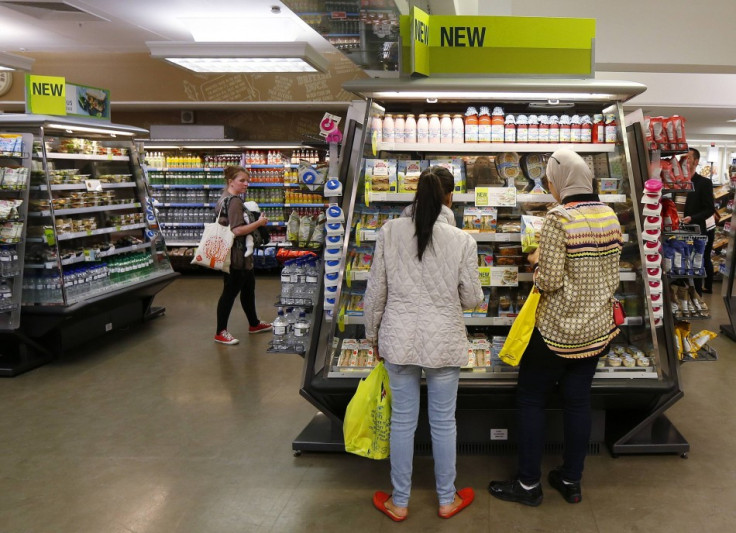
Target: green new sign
point(497, 45)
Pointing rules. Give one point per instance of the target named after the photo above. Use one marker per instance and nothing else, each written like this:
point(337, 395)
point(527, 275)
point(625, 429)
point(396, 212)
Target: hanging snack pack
point(508, 167)
point(292, 227)
point(530, 228)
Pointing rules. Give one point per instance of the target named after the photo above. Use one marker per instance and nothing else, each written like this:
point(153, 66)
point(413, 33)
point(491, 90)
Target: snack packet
point(530, 228)
point(292, 227)
point(306, 228)
point(701, 338)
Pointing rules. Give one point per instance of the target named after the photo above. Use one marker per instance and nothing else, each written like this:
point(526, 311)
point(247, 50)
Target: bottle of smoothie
point(410, 129)
point(497, 125)
point(446, 129)
point(388, 128)
point(509, 133)
point(399, 129)
point(543, 129)
point(533, 132)
point(471, 125)
point(564, 128)
point(422, 129)
point(434, 128)
point(554, 129)
point(458, 129)
point(484, 125)
point(522, 129)
point(575, 129)
point(586, 129)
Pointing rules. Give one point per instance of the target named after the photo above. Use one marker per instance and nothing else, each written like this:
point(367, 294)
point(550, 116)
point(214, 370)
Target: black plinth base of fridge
point(322, 434)
point(487, 432)
point(49, 332)
point(655, 436)
point(19, 354)
point(727, 330)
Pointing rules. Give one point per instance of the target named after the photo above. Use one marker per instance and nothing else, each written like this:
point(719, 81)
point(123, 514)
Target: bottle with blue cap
point(280, 330)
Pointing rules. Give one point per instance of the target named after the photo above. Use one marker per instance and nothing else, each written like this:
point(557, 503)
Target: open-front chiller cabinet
point(633, 386)
point(94, 256)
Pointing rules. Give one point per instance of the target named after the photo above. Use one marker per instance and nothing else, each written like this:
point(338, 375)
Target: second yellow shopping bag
point(521, 331)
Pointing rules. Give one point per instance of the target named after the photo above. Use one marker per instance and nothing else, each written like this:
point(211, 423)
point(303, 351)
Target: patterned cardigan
point(578, 273)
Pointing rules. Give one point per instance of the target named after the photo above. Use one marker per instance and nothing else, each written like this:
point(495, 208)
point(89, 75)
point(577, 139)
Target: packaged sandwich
point(380, 175)
point(472, 219)
point(488, 219)
point(457, 167)
point(408, 174)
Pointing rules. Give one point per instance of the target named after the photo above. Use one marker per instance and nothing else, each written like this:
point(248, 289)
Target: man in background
point(699, 209)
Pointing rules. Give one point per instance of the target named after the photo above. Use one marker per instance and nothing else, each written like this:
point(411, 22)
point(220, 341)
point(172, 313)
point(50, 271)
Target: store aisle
point(161, 430)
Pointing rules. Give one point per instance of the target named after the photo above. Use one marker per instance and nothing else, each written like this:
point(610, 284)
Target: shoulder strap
point(225, 206)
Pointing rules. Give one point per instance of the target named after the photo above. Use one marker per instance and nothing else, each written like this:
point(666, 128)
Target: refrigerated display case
point(187, 178)
point(94, 256)
point(15, 171)
point(629, 398)
point(728, 268)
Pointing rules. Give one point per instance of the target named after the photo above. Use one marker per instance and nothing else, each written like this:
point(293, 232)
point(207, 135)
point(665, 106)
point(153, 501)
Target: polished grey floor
point(160, 430)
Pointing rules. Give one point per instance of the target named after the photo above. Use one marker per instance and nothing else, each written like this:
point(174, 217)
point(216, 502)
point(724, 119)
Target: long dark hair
point(434, 184)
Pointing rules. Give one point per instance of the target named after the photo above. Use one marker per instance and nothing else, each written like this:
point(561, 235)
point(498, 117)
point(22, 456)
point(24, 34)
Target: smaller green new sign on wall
point(434, 44)
point(52, 95)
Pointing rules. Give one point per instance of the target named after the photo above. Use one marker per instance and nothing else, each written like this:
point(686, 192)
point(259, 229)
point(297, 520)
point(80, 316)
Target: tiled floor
point(164, 431)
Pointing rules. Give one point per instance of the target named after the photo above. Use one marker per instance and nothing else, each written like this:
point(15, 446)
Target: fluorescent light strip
point(153, 146)
point(491, 95)
point(15, 62)
point(67, 127)
point(242, 64)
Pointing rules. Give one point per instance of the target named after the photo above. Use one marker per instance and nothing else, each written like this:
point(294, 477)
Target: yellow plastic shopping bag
point(521, 331)
point(367, 423)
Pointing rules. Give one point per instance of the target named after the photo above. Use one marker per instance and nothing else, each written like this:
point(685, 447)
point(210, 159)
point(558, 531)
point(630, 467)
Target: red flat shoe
point(467, 495)
point(379, 501)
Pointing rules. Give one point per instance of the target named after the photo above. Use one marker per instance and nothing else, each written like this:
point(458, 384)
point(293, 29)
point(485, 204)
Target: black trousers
point(540, 370)
point(244, 283)
point(708, 264)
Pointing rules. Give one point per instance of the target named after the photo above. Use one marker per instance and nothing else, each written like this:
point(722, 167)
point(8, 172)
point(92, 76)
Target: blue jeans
point(442, 399)
point(539, 371)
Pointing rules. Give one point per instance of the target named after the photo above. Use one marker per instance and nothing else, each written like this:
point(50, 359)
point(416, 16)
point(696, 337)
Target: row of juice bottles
point(485, 126)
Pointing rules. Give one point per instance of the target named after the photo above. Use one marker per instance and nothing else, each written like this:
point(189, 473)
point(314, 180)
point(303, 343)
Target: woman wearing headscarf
point(577, 273)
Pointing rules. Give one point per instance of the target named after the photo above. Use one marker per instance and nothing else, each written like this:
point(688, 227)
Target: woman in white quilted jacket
point(424, 274)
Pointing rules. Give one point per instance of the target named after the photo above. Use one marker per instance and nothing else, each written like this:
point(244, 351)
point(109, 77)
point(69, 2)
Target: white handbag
point(213, 250)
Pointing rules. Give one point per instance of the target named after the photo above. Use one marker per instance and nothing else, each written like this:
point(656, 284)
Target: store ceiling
point(124, 26)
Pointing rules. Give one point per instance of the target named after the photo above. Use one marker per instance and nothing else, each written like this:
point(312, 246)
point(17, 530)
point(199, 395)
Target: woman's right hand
point(263, 219)
point(533, 257)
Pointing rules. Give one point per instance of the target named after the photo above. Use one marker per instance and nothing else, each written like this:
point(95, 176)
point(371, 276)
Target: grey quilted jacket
point(415, 308)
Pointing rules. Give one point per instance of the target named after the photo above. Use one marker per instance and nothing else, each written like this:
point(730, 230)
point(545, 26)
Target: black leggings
point(237, 281)
point(540, 370)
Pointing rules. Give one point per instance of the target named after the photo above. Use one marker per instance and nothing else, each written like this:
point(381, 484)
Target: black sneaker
point(512, 491)
point(570, 491)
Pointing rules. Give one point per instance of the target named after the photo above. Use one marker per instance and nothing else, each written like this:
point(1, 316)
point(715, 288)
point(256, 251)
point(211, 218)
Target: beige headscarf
point(569, 173)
